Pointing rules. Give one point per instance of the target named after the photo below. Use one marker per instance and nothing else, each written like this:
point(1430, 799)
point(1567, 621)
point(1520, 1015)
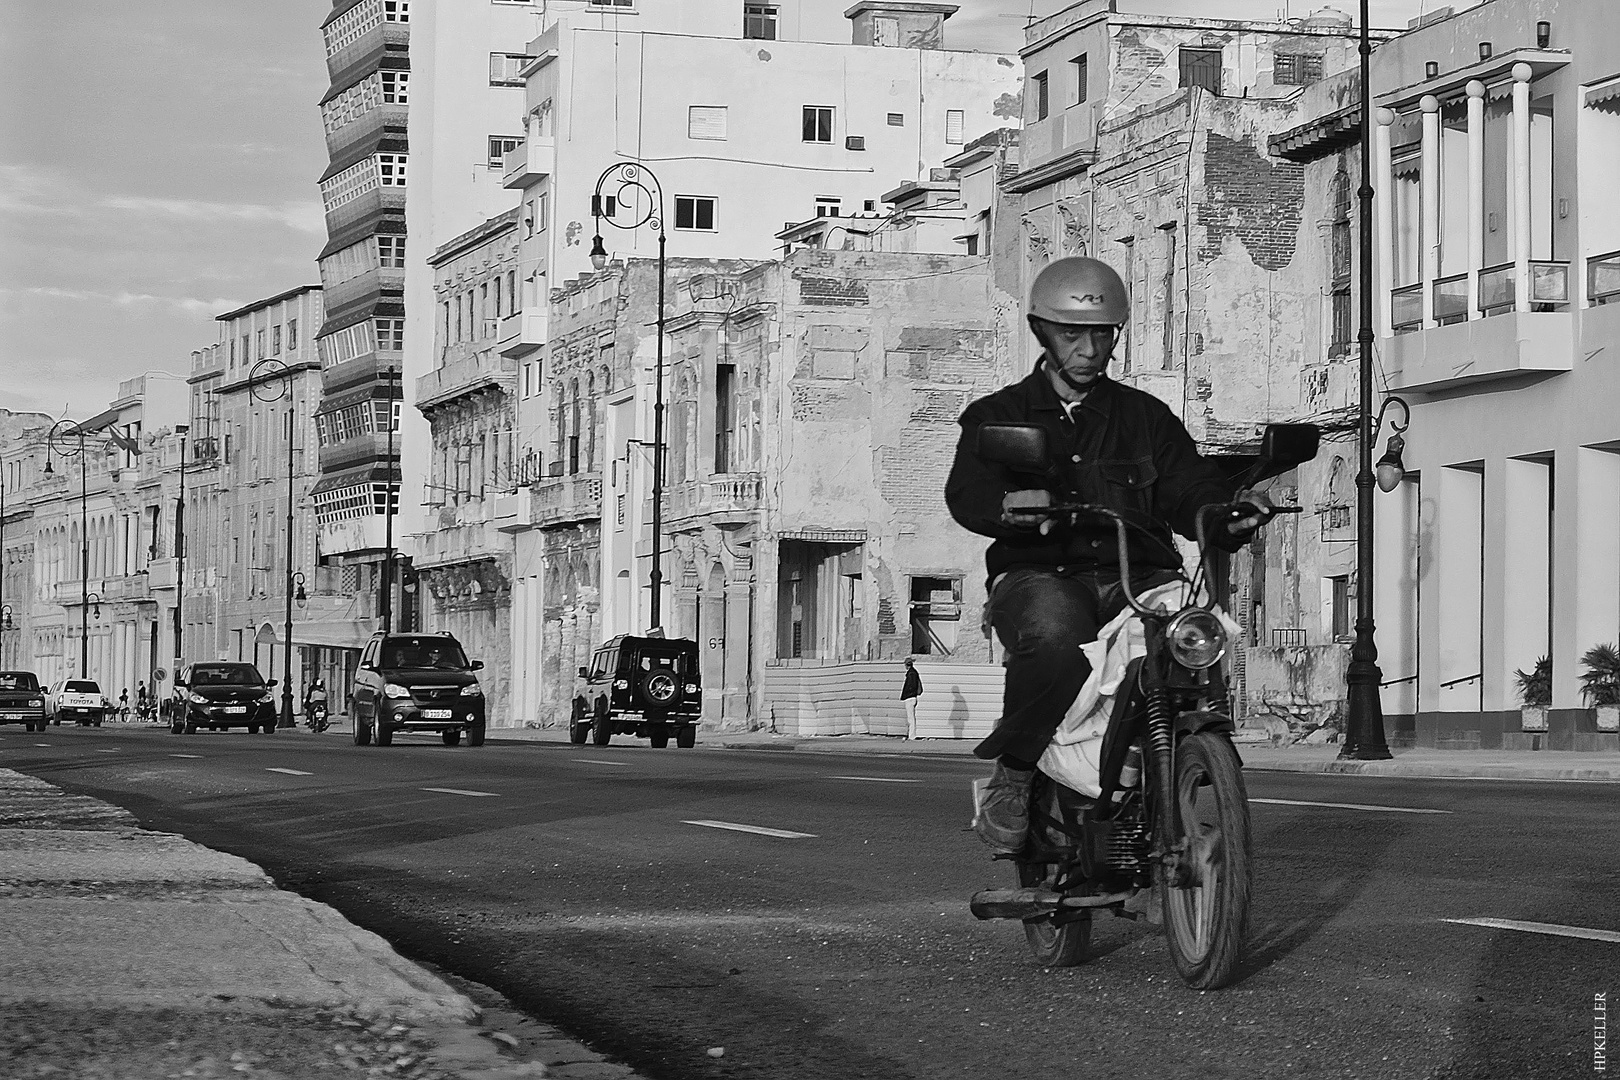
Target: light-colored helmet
point(1079, 292)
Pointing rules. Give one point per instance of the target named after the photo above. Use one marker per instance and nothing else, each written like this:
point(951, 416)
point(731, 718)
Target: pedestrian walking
point(909, 693)
point(123, 705)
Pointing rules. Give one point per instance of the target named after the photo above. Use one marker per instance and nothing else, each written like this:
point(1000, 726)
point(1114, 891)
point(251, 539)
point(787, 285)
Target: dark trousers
point(1042, 618)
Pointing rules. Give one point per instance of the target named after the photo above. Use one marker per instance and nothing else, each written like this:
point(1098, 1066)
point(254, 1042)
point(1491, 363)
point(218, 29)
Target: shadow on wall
point(959, 701)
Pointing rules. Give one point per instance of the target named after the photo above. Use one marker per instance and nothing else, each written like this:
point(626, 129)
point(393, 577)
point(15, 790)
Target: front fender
point(1193, 721)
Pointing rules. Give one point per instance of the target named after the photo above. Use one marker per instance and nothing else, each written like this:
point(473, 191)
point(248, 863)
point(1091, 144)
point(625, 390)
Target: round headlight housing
point(1196, 638)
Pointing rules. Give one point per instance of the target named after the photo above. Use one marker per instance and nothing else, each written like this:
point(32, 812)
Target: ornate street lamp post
point(259, 378)
point(646, 203)
point(61, 432)
point(1364, 726)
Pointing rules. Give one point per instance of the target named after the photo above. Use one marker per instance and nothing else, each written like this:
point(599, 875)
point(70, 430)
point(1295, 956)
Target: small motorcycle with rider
point(315, 707)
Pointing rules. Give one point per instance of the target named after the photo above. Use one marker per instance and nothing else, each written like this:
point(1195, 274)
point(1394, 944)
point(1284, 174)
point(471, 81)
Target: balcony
point(522, 333)
point(512, 511)
point(484, 369)
point(463, 534)
point(567, 499)
point(529, 162)
point(1450, 299)
point(1603, 278)
point(1516, 343)
point(725, 497)
point(1406, 308)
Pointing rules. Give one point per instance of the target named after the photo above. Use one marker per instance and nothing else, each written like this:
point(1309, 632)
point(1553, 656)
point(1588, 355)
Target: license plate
point(236, 708)
point(14, 716)
point(436, 714)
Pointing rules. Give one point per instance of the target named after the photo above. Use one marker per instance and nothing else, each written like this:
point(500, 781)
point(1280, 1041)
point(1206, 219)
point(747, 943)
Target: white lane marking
point(106, 751)
point(1355, 806)
point(594, 761)
point(876, 779)
point(44, 744)
point(196, 756)
point(1554, 929)
point(291, 772)
point(459, 791)
point(758, 830)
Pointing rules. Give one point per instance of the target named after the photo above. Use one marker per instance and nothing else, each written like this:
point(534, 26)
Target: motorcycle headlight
point(472, 690)
point(393, 689)
point(197, 699)
point(1196, 638)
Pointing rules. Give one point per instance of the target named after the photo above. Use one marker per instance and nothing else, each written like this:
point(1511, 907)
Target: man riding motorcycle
point(1050, 590)
point(315, 695)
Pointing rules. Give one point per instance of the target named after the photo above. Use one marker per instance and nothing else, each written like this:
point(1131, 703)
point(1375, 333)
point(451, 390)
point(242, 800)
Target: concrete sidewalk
point(127, 954)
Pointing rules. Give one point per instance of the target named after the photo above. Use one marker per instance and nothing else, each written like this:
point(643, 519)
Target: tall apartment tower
point(361, 341)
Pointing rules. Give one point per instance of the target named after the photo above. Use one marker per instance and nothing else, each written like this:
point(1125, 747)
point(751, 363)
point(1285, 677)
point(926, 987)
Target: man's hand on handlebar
point(1027, 509)
point(1254, 509)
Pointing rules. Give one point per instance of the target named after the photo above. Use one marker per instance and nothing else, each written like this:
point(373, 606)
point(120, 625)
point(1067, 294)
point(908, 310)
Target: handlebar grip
point(1287, 509)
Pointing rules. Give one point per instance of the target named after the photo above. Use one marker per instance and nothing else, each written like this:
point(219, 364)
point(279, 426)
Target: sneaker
point(1003, 804)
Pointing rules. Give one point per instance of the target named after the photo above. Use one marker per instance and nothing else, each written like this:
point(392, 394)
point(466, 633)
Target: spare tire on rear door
point(659, 687)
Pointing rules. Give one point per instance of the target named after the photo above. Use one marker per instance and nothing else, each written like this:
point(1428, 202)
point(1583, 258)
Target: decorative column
point(1384, 209)
point(1521, 187)
point(1476, 191)
point(1430, 252)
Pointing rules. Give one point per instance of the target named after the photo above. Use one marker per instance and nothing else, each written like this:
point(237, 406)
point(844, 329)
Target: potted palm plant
point(1535, 691)
point(1600, 684)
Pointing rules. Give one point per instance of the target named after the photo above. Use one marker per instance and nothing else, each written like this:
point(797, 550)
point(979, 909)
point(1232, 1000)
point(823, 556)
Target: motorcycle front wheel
point(1207, 922)
point(1054, 944)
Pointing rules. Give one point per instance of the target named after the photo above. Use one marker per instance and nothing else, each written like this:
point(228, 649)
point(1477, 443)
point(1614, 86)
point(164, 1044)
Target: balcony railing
point(574, 498)
point(1549, 286)
point(1451, 299)
point(1496, 289)
point(1406, 308)
point(727, 493)
point(1603, 278)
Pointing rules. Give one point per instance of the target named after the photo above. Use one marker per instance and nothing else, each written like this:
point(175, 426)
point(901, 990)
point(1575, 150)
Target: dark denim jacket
point(1124, 449)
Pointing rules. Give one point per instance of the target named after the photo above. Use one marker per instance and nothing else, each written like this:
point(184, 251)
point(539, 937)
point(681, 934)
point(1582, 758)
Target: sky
point(159, 162)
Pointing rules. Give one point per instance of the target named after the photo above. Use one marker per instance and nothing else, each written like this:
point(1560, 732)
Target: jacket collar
point(1042, 397)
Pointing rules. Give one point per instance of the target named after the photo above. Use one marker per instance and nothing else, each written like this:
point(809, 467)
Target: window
point(275, 340)
point(725, 383)
point(706, 122)
point(1339, 281)
point(1201, 67)
point(630, 4)
point(391, 252)
point(499, 146)
point(1296, 69)
point(972, 243)
point(936, 609)
point(292, 334)
point(818, 123)
point(391, 170)
point(759, 21)
point(694, 212)
point(506, 69)
point(246, 355)
point(1038, 92)
point(954, 123)
point(1079, 71)
point(258, 339)
point(897, 119)
point(1339, 600)
point(391, 334)
point(542, 204)
point(827, 205)
point(396, 87)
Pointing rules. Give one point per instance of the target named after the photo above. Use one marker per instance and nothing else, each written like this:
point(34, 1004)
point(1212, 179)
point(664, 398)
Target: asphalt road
point(577, 881)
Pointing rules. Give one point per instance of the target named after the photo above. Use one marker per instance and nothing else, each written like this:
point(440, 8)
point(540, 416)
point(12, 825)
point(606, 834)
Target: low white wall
point(959, 701)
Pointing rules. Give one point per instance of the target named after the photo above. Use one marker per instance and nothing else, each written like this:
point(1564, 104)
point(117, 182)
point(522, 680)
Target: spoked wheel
point(1054, 944)
point(1207, 922)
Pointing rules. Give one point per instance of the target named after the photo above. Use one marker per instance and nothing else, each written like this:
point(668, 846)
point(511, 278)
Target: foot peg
point(1014, 903)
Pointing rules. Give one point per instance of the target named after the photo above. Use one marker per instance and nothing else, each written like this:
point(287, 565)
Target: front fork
point(1160, 740)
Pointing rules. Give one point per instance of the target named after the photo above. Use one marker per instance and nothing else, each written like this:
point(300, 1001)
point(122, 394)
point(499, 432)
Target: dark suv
point(644, 686)
point(416, 682)
point(220, 695)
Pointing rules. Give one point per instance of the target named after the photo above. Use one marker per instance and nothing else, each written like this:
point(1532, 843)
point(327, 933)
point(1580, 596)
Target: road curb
point(1438, 771)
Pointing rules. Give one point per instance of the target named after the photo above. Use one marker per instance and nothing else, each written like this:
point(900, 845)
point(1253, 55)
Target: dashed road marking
point(594, 761)
point(876, 779)
point(291, 772)
point(758, 830)
point(460, 791)
point(197, 757)
point(1355, 806)
point(1554, 929)
point(44, 744)
point(106, 751)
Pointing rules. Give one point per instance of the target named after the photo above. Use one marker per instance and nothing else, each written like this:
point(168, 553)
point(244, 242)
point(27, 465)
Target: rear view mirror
point(476, 665)
point(272, 682)
point(1286, 445)
point(1021, 447)
point(584, 674)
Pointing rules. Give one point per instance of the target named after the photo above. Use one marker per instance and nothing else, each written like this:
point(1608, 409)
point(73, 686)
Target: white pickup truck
point(79, 700)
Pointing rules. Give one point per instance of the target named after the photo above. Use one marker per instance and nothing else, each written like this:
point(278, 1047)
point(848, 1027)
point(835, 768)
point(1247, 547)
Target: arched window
point(1340, 333)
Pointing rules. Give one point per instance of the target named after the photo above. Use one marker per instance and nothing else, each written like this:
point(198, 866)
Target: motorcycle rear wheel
point(1207, 923)
point(1054, 944)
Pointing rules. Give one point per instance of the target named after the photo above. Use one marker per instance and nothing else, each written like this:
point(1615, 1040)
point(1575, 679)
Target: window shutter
point(706, 122)
point(953, 126)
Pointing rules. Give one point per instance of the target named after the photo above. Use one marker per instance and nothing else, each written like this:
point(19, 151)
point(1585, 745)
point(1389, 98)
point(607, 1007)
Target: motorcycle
point(1167, 838)
point(315, 715)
